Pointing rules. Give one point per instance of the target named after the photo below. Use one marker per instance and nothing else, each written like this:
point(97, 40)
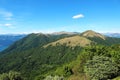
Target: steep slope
point(33, 41)
point(74, 70)
point(39, 54)
point(28, 56)
point(99, 38)
point(34, 62)
point(92, 34)
point(30, 41)
point(72, 41)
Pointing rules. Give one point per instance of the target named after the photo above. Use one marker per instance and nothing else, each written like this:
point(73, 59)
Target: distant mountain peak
point(90, 33)
point(63, 32)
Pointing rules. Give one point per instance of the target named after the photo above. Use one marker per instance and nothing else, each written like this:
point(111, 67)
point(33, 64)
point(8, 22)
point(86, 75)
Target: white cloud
point(78, 16)
point(6, 14)
point(4, 17)
point(8, 25)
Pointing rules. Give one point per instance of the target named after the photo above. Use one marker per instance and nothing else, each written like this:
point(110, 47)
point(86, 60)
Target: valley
point(63, 57)
point(6, 40)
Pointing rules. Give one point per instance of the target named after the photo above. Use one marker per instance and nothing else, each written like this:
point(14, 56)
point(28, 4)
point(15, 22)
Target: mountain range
point(117, 35)
point(8, 39)
point(41, 56)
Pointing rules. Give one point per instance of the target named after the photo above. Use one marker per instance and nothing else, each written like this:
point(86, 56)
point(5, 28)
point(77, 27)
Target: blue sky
point(28, 16)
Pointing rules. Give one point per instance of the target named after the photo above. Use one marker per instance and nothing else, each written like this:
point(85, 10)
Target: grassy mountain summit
point(72, 41)
point(99, 38)
point(90, 33)
point(37, 56)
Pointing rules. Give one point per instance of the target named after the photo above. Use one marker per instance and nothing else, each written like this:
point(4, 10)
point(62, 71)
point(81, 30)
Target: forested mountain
point(63, 56)
point(34, 40)
point(6, 40)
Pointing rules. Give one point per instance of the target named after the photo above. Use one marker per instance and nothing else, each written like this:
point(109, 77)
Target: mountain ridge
point(34, 56)
point(72, 41)
point(39, 39)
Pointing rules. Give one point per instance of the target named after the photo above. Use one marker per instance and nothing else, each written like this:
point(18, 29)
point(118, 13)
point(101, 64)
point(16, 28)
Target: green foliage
point(12, 75)
point(57, 60)
point(54, 78)
point(108, 40)
point(101, 67)
point(30, 58)
point(32, 41)
point(118, 78)
point(67, 71)
point(37, 61)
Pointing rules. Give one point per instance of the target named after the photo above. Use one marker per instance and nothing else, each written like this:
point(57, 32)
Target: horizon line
point(43, 32)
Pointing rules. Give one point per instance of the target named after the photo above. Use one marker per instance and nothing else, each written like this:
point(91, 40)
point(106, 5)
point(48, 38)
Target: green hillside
point(72, 41)
point(64, 56)
point(32, 41)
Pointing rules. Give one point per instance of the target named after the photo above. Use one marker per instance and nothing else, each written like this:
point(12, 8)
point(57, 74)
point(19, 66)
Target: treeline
point(66, 63)
point(34, 62)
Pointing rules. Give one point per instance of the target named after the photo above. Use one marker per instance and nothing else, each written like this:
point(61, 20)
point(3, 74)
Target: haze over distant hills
point(113, 35)
point(8, 39)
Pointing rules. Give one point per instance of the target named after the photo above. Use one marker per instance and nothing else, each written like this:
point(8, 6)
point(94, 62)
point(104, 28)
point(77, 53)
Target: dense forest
point(53, 57)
